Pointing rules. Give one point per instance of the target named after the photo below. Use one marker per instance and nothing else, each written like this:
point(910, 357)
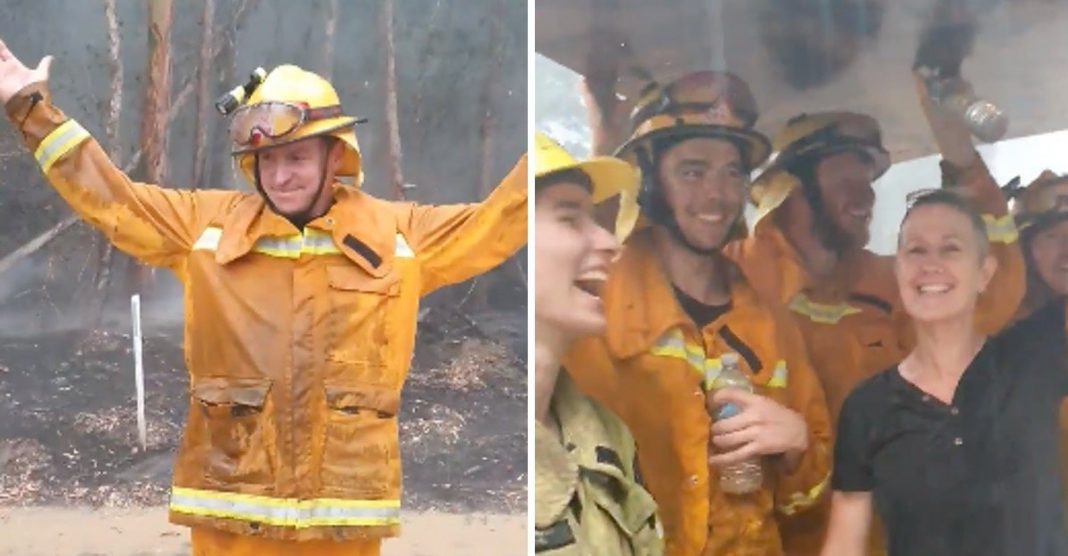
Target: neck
point(549, 346)
point(945, 349)
point(702, 277)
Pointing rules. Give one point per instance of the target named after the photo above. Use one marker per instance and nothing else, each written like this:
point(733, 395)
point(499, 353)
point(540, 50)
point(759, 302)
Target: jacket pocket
point(358, 320)
point(360, 455)
point(239, 434)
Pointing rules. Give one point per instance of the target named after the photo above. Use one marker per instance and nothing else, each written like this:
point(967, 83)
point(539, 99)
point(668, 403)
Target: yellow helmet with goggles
point(293, 104)
point(702, 104)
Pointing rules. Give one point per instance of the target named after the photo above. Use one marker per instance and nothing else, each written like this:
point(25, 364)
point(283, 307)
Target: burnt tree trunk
point(104, 249)
point(487, 131)
point(393, 126)
point(204, 89)
point(153, 168)
point(157, 91)
point(226, 79)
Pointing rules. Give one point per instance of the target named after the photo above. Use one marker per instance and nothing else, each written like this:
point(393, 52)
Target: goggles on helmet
point(697, 93)
point(274, 120)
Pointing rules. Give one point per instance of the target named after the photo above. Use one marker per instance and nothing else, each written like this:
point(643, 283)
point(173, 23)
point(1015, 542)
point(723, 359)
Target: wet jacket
point(587, 499)
point(853, 323)
point(297, 342)
point(648, 369)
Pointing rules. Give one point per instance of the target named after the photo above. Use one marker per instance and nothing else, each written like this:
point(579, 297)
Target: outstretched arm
point(153, 224)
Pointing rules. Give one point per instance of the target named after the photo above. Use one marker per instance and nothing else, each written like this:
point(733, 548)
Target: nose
point(931, 263)
point(862, 193)
point(274, 174)
point(604, 242)
point(718, 185)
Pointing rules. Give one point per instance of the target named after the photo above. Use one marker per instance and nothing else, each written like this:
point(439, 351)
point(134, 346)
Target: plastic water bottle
point(747, 476)
point(983, 118)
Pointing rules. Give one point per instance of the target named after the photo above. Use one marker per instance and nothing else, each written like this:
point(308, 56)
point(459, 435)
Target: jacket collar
point(361, 228)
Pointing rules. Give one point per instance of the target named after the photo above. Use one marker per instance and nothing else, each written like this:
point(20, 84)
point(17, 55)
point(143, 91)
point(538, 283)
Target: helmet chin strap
point(302, 217)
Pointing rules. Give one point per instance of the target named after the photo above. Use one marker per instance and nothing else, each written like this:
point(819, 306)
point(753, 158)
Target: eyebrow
point(702, 163)
point(567, 204)
point(910, 240)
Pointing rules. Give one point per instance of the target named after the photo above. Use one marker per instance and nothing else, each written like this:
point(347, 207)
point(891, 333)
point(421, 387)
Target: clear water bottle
point(747, 476)
point(984, 119)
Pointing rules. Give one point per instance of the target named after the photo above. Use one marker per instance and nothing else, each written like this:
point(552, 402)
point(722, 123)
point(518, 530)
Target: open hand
point(761, 427)
point(15, 76)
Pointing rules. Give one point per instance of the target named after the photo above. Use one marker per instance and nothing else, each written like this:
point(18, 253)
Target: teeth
point(713, 218)
point(594, 276)
point(591, 283)
point(934, 288)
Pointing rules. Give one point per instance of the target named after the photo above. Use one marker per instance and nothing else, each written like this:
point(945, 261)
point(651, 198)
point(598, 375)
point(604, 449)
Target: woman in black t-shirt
point(956, 447)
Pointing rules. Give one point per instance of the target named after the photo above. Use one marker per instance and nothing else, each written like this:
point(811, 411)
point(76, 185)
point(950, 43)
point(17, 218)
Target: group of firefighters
point(301, 301)
point(810, 312)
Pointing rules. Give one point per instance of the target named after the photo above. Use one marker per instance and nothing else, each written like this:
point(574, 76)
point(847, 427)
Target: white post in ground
point(139, 372)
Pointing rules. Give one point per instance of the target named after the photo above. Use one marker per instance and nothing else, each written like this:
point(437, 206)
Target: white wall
point(1024, 156)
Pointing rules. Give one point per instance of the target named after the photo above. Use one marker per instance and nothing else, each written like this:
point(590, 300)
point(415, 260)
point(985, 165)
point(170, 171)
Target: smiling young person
point(587, 496)
point(675, 304)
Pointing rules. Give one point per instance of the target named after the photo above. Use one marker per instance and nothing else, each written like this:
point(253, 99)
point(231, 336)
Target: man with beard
point(808, 252)
point(674, 305)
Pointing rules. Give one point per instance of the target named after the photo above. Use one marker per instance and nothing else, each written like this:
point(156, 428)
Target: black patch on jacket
point(609, 456)
point(744, 350)
point(871, 300)
point(362, 250)
point(557, 535)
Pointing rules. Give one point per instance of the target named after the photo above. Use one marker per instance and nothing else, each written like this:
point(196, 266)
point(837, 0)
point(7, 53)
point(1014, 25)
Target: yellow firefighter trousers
point(212, 542)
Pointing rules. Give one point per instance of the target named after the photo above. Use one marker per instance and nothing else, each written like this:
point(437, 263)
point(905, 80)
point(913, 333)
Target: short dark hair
point(956, 201)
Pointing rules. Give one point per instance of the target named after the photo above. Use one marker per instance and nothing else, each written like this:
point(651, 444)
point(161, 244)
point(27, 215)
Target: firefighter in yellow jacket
point(300, 309)
point(586, 497)
point(674, 304)
point(807, 252)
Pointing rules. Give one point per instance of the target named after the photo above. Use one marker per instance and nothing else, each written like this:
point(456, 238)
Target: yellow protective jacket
point(297, 342)
point(853, 323)
point(587, 500)
point(648, 368)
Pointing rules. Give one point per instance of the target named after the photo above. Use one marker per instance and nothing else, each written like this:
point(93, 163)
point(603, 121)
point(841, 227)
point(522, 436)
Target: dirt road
point(54, 531)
